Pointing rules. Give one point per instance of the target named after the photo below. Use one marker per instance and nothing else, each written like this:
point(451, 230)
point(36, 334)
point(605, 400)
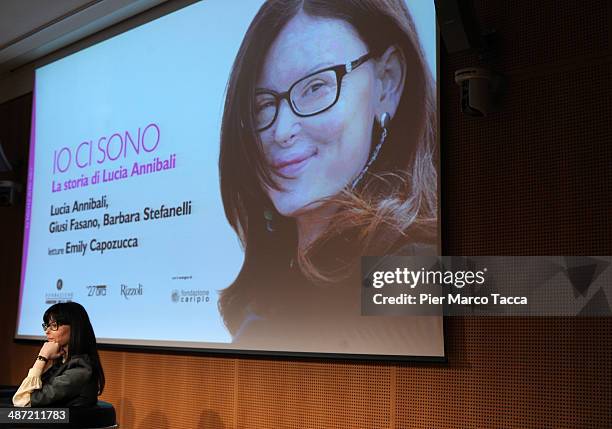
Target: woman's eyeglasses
point(54, 326)
point(309, 96)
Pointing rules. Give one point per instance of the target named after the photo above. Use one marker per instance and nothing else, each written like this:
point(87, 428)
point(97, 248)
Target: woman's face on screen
point(315, 157)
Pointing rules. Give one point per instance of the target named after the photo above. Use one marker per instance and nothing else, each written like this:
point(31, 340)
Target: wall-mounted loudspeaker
point(457, 25)
point(9, 191)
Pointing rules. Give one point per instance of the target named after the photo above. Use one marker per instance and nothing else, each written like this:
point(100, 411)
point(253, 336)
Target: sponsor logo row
point(128, 292)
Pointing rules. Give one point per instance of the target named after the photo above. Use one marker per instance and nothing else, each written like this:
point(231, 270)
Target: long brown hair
point(394, 204)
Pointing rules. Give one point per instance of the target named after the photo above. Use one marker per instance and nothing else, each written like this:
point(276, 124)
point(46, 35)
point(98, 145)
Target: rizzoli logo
point(131, 291)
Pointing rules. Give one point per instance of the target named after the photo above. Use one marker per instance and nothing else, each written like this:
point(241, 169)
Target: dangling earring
point(384, 122)
point(269, 217)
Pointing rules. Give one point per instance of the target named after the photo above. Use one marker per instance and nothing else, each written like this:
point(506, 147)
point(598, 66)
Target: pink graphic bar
point(28, 208)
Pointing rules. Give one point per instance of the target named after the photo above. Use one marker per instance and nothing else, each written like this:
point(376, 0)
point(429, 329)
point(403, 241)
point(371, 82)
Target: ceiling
point(30, 29)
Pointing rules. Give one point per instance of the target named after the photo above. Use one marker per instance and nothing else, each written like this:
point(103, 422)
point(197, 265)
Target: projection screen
point(210, 180)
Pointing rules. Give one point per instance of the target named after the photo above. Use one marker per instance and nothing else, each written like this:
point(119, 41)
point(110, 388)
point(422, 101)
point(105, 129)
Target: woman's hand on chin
point(50, 350)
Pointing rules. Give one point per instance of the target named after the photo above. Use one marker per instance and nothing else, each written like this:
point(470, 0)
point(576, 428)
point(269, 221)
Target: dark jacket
point(72, 384)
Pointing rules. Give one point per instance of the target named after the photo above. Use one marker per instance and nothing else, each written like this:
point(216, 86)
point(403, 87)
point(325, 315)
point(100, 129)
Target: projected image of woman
point(327, 149)
point(67, 371)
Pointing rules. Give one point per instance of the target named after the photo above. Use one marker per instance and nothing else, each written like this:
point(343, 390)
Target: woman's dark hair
point(82, 337)
point(395, 203)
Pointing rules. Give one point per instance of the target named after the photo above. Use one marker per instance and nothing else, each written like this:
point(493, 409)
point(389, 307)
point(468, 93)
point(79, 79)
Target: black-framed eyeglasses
point(309, 96)
point(54, 326)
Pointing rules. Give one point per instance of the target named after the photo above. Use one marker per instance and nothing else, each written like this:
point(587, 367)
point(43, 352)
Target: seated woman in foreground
point(67, 371)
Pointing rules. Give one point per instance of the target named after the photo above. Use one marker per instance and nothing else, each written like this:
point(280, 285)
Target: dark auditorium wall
point(534, 179)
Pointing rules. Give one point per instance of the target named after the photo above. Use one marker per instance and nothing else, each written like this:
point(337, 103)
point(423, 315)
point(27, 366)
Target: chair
point(102, 416)
point(6, 395)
